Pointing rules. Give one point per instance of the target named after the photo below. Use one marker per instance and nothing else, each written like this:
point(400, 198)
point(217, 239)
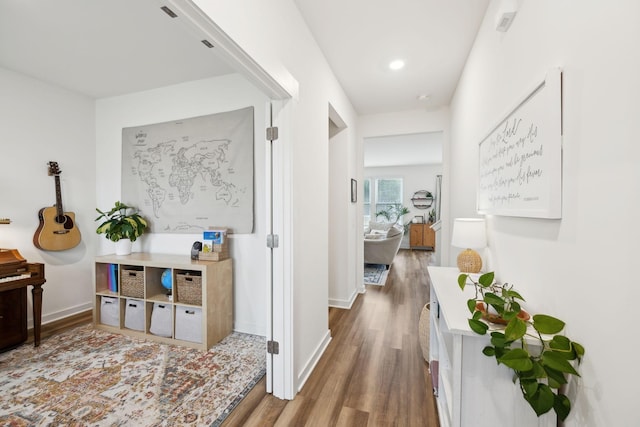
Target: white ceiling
point(107, 48)
point(360, 37)
point(102, 48)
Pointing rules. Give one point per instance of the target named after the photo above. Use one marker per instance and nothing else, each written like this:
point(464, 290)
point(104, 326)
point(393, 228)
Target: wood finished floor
point(372, 373)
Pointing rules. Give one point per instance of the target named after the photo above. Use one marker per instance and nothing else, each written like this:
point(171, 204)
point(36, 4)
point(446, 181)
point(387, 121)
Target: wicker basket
point(132, 283)
point(189, 289)
point(424, 331)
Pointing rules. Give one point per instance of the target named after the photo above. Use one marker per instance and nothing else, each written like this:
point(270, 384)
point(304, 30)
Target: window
point(367, 202)
point(385, 194)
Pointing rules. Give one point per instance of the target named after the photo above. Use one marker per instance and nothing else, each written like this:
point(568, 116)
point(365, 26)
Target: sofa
point(382, 242)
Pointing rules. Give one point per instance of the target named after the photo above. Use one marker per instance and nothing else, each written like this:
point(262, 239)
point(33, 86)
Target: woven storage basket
point(132, 283)
point(423, 332)
point(189, 289)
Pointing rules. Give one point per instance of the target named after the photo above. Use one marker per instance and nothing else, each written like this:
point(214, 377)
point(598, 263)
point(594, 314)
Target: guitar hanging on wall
point(57, 230)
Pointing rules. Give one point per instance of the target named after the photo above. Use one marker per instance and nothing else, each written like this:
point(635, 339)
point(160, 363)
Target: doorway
point(415, 160)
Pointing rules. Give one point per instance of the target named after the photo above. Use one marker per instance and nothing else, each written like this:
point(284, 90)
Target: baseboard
point(250, 328)
point(62, 314)
point(68, 322)
point(313, 360)
point(341, 303)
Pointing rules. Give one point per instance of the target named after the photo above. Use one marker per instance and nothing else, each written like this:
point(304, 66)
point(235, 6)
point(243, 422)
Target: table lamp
point(469, 233)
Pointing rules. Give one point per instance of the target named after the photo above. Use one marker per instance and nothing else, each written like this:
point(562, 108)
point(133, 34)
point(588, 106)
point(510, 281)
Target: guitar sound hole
point(65, 220)
point(68, 224)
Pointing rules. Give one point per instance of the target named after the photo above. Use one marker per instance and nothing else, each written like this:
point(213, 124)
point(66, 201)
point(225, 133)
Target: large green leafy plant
point(393, 213)
point(542, 359)
point(118, 224)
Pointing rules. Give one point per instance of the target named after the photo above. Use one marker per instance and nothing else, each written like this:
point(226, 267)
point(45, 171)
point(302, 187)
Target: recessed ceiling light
point(396, 64)
point(423, 97)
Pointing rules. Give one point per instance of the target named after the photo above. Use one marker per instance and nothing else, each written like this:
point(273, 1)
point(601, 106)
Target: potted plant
point(393, 214)
point(119, 225)
point(532, 346)
point(432, 216)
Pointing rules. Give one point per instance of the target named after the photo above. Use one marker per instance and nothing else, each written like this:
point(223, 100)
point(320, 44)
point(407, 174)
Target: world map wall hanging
point(193, 174)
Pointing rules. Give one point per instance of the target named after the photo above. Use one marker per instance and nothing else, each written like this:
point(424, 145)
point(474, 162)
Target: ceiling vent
point(506, 15)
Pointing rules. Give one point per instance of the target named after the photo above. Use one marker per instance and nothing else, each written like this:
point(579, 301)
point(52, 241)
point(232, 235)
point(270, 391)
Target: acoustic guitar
point(57, 230)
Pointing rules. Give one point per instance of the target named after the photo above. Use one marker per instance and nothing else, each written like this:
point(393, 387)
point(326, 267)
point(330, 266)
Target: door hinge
point(272, 241)
point(272, 133)
point(273, 347)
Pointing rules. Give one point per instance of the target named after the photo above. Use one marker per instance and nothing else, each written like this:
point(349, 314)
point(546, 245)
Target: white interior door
point(280, 378)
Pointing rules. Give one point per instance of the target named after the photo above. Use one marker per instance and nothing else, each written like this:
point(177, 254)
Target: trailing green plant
point(532, 347)
point(118, 224)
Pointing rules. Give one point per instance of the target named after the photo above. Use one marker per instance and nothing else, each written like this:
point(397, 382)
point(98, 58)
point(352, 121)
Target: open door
point(280, 379)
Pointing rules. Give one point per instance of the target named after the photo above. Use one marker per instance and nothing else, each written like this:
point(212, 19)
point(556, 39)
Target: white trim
point(58, 315)
point(313, 360)
point(203, 27)
point(283, 363)
point(342, 303)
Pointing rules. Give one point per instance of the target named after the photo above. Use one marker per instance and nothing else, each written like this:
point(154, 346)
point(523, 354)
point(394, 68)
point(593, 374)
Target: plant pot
point(493, 317)
point(123, 247)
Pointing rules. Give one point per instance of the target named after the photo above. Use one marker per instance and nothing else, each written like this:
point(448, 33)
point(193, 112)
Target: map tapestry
point(190, 175)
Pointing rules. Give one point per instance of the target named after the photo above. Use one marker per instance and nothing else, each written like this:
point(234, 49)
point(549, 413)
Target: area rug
point(87, 377)
point(375, 274)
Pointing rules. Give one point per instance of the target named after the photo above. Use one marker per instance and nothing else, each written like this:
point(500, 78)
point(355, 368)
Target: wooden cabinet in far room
point(422, 236)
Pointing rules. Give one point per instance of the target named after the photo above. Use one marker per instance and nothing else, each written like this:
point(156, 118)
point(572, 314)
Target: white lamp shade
point(469, 233)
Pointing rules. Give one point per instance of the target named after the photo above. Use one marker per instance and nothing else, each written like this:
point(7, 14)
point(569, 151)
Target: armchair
point(382, 247)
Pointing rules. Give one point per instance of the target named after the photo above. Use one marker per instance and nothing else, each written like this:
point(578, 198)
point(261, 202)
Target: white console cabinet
point(470, 388)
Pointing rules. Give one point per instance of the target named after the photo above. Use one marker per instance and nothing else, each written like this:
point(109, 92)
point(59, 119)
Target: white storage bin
point(189, 324)
point(110, 311)
point(161, 320)
point(134, 315)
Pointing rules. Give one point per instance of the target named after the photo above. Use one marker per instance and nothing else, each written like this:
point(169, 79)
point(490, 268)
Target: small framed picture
point(418, 219)
point(354, 190)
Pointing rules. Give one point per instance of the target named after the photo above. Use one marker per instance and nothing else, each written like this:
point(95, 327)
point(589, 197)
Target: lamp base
point(469, 261)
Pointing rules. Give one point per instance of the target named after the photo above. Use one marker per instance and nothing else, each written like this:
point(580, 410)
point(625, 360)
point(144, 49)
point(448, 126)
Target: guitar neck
point(59, 210)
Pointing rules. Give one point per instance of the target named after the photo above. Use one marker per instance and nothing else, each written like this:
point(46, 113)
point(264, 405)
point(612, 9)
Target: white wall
point(275, 35)
point(343, 286)
point(42, 123)
point(186, 100)
point(579, 268)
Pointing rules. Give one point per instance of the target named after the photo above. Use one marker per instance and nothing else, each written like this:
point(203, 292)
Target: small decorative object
point(418, 219)
point(215, 245)
point(422, 199)
point(531, 346)
point(166, 280)
point(119, 225)
point(469, 233)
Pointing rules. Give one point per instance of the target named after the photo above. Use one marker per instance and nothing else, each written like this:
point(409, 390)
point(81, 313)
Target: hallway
point(372, 373)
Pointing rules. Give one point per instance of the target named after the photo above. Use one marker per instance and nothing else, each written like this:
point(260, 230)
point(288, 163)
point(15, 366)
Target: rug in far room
point(375, 274)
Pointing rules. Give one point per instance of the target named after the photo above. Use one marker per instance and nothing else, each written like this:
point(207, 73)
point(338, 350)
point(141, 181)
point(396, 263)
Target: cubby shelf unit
point(215, 309)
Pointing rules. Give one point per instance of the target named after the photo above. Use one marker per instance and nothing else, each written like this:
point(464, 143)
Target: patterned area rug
point(375, 274)
point(86, 377)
